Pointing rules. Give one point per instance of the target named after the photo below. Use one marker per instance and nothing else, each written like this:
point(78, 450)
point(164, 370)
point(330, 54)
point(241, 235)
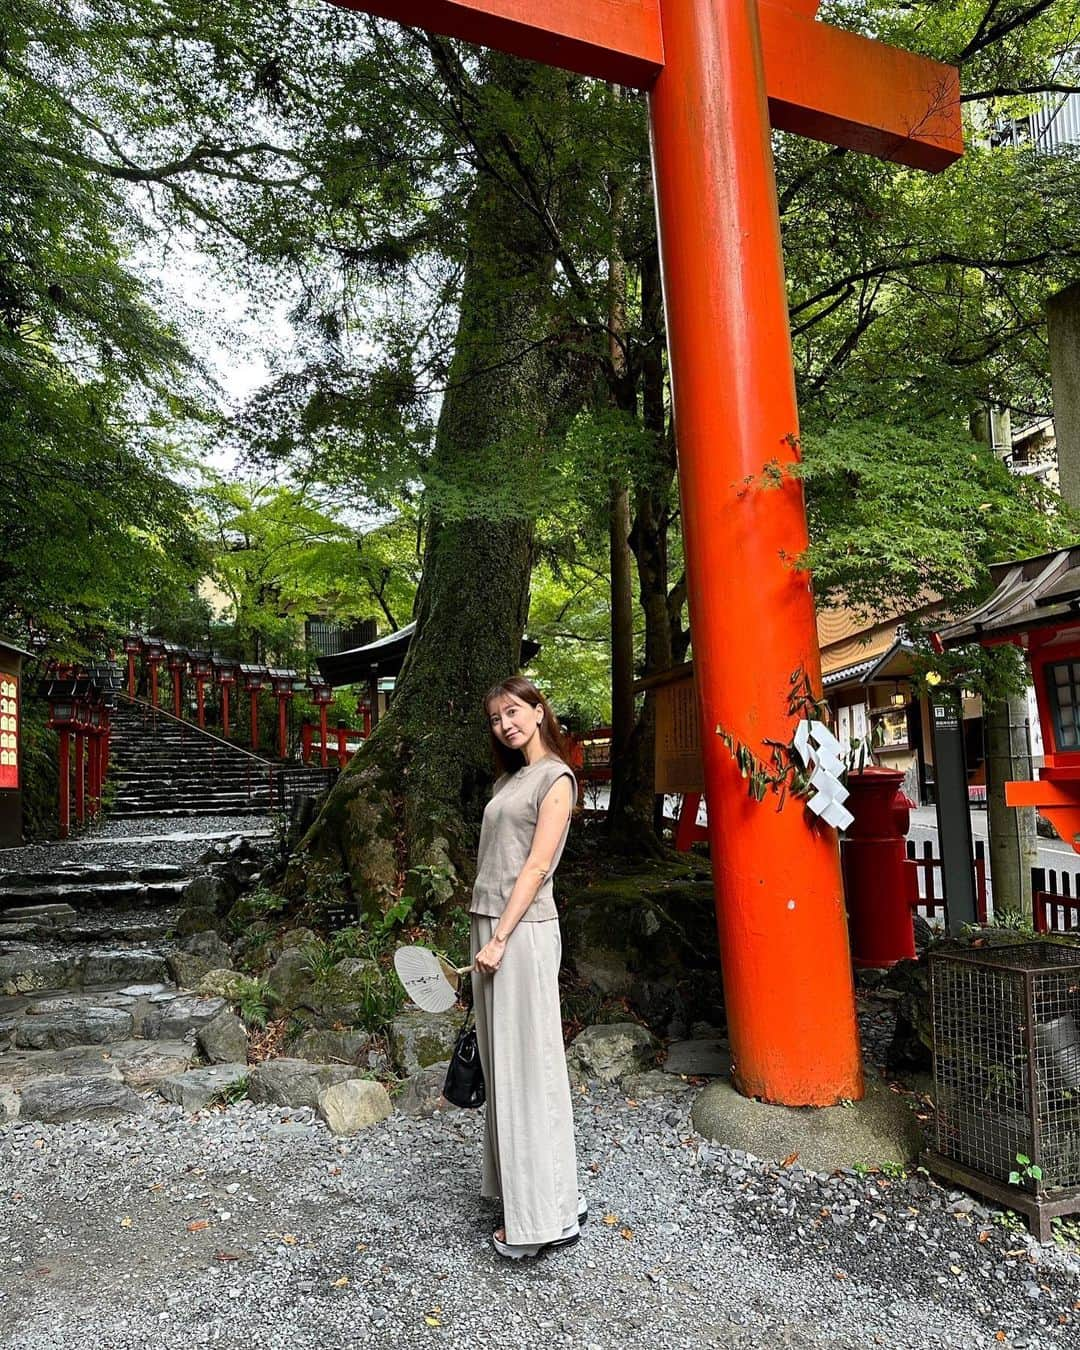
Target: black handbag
point(464, 1084)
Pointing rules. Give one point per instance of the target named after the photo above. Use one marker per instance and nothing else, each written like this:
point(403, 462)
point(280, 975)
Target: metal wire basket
point(1006, 1031)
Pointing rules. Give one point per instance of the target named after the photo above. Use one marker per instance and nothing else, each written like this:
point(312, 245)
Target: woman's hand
point(489, 956)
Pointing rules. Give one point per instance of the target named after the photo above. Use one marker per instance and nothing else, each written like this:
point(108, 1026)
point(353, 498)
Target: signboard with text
point(9, 731)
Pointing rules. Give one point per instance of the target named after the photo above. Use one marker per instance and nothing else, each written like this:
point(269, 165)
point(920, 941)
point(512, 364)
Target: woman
point(529, 1158)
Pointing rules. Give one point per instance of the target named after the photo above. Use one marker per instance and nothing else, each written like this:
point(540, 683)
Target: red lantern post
point(155, 655)
point(322, 696)
point(177, 662)
point(132, 647)
point(225, 672)
point(60, 694)
point(202, 668)
point(253, 677)
point(282, 682)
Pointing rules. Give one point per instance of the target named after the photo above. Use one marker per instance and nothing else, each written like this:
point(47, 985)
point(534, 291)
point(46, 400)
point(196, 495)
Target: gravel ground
point(254, 1227)
point(138, 843)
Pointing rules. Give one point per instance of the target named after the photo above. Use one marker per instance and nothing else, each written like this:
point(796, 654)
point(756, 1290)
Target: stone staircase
point(90, 1009)
point(163, 767)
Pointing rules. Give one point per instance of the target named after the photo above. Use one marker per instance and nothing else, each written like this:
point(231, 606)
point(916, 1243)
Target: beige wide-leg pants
point(529, 1155)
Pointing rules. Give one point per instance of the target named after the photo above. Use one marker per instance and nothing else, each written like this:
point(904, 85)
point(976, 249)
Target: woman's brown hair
point(551, 734)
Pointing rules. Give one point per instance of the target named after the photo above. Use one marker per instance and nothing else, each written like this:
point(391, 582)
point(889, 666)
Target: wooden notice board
point(678, 732)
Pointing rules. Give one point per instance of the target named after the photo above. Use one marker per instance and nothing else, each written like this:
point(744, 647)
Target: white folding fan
point(429, 979)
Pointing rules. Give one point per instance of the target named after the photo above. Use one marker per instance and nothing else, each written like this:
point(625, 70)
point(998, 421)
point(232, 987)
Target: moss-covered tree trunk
point(413, 796)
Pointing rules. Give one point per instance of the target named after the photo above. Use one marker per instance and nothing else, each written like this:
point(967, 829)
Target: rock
point(347, 991)
point(911, 1048)
point(52, 916)
point(209, 892)
point(353, 1105)
point(9, 1104)
point(418, 1039)
point(421, 1094)
point(881, 1128)
point(28, 970)
point(143, 1064)
point(173, 1020)
point(705, 1058)
point(220, 984)
point(653, 1083)
point(73, 1026)
point(195, 919)
point(611, 1050)
point(211, 947)
point(224, 1040)
point(57, 1099)
point(291, 979)
point(188, 968)
point(329, 1047)
point(298, 937)
point(295, 1082)
point(123, 966)
point(199, 1087)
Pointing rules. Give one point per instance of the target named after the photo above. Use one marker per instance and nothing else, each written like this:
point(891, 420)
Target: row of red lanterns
point(80, 702)
point(228, 675)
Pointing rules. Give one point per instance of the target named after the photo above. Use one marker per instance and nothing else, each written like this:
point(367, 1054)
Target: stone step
point(186, 812)
point(129, 894)
point(85, 874)
point(66, 1020)
point(27, 968)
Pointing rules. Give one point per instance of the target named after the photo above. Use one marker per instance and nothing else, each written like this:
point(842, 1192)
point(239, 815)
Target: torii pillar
point(716, 72)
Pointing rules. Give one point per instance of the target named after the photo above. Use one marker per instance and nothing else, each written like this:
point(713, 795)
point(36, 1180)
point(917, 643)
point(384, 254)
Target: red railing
point(337, 743)
point(1055, 901)
point(931, 902)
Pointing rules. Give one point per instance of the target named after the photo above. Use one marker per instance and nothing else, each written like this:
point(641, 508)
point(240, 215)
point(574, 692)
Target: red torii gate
point(717, 72)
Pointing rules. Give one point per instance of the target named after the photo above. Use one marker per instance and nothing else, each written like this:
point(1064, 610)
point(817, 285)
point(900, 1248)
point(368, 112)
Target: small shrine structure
point(1036, 606)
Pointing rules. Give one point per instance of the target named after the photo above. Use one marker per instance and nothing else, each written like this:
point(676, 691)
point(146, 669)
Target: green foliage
point(254, 1000)
point(255, 905)
point(1025, 1171)
point(900, 514)
point(231, 1094)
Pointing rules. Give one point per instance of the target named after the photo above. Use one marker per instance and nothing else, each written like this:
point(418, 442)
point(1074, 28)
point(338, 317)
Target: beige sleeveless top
point(506, 837)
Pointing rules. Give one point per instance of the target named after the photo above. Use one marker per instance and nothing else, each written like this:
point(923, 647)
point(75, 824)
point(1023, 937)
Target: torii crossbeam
point(717, 72)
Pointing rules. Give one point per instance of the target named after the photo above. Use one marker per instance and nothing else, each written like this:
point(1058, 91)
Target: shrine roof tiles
point(1031, 593)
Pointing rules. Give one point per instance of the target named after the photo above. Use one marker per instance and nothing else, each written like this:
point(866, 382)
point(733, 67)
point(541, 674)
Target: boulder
point(209, 892)
point(57, 1099)
point(421, 1094)
point(610, 1051)
point(26, 970)
point(220, 983)
point(188, 968)
point(291, 979)
point(73, 1026)
point(347, 991)
point(195, 919)
point(143, 1064)
point(9, 1104)
point(295, 1082)
point(173, 1020)
point(329, 1047)
point(353, 1105)
point(124, 966)
point(418, 1039)
point(211, 947)
point(224, 1040)
point(703, 1057)
point(199, 1087)
point(649, 935)
point(298, 937)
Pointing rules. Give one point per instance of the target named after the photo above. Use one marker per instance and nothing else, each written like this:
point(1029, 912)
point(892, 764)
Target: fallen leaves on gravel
point(226, 1256)
point(341, 1282)
point(790, 1160)
point(610, 1219)
point(626, 1233)
point(125, 1222)
point(198, 1225)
